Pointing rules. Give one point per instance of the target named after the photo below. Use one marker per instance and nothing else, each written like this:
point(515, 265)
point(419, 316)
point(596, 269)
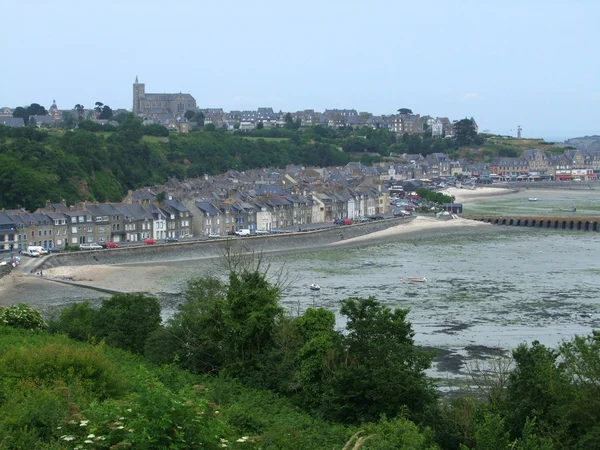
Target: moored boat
point(314, 287)
point(417, 279)
point(533, 199)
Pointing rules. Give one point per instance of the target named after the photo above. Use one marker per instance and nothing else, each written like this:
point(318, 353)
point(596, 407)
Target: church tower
point(139, 92)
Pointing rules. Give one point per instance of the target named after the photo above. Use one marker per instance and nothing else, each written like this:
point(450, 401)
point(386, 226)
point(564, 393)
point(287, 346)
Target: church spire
point(136, 80)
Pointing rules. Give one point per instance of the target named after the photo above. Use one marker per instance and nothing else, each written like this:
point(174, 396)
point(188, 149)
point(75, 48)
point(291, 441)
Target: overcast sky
point(532, 63)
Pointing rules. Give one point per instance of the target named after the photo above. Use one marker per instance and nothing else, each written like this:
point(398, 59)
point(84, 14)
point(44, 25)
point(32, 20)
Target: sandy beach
point(421, 225)
point(462, 195)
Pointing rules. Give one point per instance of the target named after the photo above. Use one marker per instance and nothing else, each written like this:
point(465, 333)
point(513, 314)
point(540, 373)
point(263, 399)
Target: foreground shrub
point(22, 316)
point(58, 365)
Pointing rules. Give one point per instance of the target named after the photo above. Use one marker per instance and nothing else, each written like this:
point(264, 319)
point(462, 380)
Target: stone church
point(160, 104)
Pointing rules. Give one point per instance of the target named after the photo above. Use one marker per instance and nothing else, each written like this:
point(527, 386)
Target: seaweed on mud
point(485, 352)
point(453, 329)
point(447, 360)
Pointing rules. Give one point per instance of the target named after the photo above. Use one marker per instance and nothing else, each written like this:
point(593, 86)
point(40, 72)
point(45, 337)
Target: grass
point(272, 139)
point(155, 138)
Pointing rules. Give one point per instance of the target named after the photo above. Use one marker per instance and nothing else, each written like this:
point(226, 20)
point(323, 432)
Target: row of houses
point(333, 118)
point(571, 164)
point(134, 220)
point(57, 224)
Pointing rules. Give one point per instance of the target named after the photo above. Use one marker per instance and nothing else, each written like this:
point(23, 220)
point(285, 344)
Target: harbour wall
point(216, 247)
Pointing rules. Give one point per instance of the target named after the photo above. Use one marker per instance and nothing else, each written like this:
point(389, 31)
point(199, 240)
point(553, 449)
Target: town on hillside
point(265, 199)
point(179, 112)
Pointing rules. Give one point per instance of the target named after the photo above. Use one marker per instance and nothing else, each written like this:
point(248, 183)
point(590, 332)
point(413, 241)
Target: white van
point(243, 232)
point(37, 248)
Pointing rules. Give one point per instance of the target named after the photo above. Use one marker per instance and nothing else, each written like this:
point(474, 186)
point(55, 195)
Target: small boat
point(417, 279)
point(314, 287)
point(532, 199)
point(367, 263)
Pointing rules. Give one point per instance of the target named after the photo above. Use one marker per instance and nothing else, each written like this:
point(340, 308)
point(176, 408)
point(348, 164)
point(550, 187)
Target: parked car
point(111, 245)
point(54, 250)
point(149, 241)
point(262, 231)
point(347, 221)
point(214, 236)
point(338, 222)
point(243, 232)
point(171, 239)
point(376, 217)
point(90, 246)
point(31, 253)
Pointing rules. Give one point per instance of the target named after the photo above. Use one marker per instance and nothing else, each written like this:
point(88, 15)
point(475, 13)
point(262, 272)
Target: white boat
point(314, 287)
point(532, 199)
point(417, 279)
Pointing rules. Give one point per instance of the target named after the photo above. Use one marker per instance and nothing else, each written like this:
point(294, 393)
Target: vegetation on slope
point(100, 163)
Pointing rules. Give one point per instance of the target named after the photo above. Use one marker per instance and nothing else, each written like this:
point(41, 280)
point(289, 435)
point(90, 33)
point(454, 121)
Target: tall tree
point(35, 109)
point(464, 132)
point(189, 114)
point(405, 111)
point(98, 109)
point(22, 113)
point(80, 111)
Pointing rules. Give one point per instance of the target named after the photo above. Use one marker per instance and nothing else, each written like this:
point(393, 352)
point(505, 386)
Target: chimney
point(63, 202)
point(48, 203)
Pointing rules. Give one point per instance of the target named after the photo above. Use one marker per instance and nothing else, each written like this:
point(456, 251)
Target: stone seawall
point(214, 248)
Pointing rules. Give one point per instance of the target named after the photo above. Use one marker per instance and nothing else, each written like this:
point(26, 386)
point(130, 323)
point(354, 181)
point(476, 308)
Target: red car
point(347, 221)
point(111, 245)
point(149, 241)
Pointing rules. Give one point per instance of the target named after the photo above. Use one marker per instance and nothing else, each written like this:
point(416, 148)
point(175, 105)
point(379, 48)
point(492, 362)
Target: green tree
point(259, 126)
point(465, 133)
point(126, 320)
point(200, 118)
point(22, 113)
point(189, 114)
point(289, 122)
point(76, 321)
point(404, 111)
point(376, 368)
point(35, 109)
point(80, 110)
point(68, 119)
point(106, 113)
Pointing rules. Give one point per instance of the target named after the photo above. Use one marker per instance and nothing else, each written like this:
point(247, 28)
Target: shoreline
point(142, 277)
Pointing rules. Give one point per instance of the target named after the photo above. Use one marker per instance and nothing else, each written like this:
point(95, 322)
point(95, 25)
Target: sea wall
point(216, 247)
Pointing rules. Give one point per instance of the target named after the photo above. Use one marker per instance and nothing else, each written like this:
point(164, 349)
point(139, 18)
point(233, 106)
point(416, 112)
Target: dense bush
point(21, 316)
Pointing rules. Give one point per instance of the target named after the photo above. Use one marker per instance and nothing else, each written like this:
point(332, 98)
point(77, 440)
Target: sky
point(506, 63)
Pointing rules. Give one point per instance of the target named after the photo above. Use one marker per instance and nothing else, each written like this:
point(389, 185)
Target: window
point(90, 228)
point(39, 233)
point(73, 230)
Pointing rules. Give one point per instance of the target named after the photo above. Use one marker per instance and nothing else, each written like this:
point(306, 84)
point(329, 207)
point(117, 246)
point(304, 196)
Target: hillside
point(585, 142)
point(497, 146)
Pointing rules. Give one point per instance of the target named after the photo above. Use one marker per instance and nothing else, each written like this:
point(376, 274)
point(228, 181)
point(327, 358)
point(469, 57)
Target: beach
point(463, 195)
